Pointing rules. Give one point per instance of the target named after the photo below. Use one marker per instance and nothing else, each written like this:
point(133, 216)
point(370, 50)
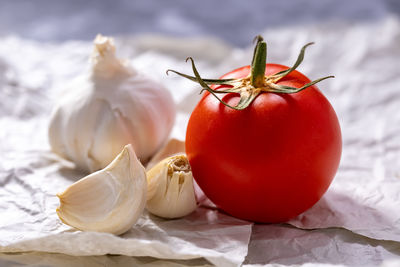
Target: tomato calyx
point(255, 83)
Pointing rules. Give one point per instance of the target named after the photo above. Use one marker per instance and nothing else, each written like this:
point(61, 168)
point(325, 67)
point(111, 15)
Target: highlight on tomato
point(264, 143)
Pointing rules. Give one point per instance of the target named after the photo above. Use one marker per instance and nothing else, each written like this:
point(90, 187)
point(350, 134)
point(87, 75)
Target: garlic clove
point(170, 192)
point(110, 200)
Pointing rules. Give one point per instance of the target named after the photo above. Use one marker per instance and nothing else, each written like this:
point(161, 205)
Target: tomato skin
point(271, 161)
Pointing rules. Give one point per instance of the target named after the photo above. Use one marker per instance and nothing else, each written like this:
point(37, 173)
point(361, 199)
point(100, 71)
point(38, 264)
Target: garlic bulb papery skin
point(108, 107)
point(170, 190)
point(110, 200)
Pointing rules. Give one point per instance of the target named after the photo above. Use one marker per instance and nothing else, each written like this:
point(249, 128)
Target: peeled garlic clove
point(170, 192)
point(110, 200)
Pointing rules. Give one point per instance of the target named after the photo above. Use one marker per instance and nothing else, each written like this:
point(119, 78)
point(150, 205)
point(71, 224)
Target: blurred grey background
point(236, 21)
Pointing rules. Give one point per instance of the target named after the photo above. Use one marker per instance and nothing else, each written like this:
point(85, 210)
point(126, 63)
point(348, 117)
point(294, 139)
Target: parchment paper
point(356, 223)
point(31, 76)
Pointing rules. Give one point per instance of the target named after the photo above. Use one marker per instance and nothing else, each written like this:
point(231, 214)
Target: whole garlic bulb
point(110, 106)
point(110, 200)
point(170, 188)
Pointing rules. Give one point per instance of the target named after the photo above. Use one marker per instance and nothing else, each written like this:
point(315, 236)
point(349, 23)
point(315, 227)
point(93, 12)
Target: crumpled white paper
point(356, 223)
point(30, 175)
point(286, 245)
point(364, 197)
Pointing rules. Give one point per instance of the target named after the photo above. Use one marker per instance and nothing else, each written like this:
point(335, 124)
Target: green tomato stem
point(257, 76)
point(256, 83)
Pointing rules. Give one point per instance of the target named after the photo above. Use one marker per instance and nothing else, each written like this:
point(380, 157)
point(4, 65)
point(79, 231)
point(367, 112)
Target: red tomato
point(270, 161)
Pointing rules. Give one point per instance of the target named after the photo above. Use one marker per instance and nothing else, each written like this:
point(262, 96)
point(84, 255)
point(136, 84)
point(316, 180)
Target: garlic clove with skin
point(110, 200)
point(170, 192)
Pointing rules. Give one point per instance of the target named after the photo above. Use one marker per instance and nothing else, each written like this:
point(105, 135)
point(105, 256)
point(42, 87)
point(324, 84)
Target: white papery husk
point(108, 107)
